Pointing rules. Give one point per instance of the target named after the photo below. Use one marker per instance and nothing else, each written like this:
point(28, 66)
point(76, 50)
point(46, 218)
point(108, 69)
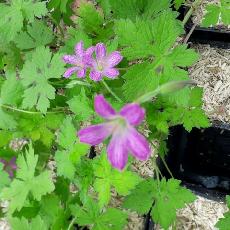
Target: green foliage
point(61, 9)
point(90, 214)
point(70, 151)
point(36, 73)
point(192, 115)
point(148, 38)
point(23, 224)
point(92, 23)
point(178, 3)
point(38, 127)
point(11, 93)
point(107, 177)
point(80, 106)
point(37, 34)
point(132, 9)
point(224, 223)
point(26, 182)
point(168, 196)
point(11, 90)
point(52, 212)
point(13, 15)
point(6, 120)
point(216, 13)
point(188, 113)
point(139, 79)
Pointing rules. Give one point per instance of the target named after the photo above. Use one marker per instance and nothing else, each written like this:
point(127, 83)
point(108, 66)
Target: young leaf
point(165, 197)
point(90, 214)
point(61, 9)
point(106, 177)
point(35, 75)
point(12, 90)
point(80, 105)
point(10, 55)
point(215, 13)
point(178, 3)
point(142, 39)
point(37, 34)
point(6, 120)
point(141, 198)
point(13, 15)
point(38, 127)
point(139, 79)
point(92, 22)
point(71, 152)
point(194, 116)
point(169, 197)
point(137, 8)
point(26, 182)
point(52, 212)
point(23, 224)
point(224, 223)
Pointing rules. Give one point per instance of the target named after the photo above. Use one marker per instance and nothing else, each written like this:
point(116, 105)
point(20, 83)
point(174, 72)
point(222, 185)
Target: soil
point(212, 72)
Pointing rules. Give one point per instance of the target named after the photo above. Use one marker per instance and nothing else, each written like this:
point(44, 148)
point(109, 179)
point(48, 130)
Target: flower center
point(99, 65)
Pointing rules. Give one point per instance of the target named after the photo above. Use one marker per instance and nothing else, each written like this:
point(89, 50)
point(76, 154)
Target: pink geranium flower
point(9, 166)
point(81, 60)
point(104, 63)
point(120, 125)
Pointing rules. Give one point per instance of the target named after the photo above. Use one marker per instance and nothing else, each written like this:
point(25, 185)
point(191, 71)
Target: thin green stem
point(125, 68)
point(166, 166)
point(71, 223)
point(27, 111)
point(111, 92)
point(194, 6)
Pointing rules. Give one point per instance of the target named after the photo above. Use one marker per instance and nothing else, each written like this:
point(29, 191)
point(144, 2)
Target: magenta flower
point(81, 60)
point(104, 63)
point(9, 166)
point(125, 137)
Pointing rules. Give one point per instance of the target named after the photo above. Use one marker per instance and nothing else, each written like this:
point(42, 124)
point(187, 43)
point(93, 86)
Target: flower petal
point(114, 58)
point(90, 51)
point(70, 71)
point(103, 108)
point(138, 145)
point(12, 163)
point(70, 59)
point(81, 73)
point(117, 151)
point(100, 51)
point(133, 113)
point(79, 49)
point(95, 75)
point(95, 134)
point(111, 73)
point(88, 59)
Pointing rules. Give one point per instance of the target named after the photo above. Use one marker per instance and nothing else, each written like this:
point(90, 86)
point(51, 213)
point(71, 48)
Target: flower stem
point(111, 92)
point(194, 6)
point(166, 166)
point(27, 111)
point(71, 223)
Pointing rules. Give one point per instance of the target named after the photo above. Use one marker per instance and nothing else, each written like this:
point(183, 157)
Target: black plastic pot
point(200, 159)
